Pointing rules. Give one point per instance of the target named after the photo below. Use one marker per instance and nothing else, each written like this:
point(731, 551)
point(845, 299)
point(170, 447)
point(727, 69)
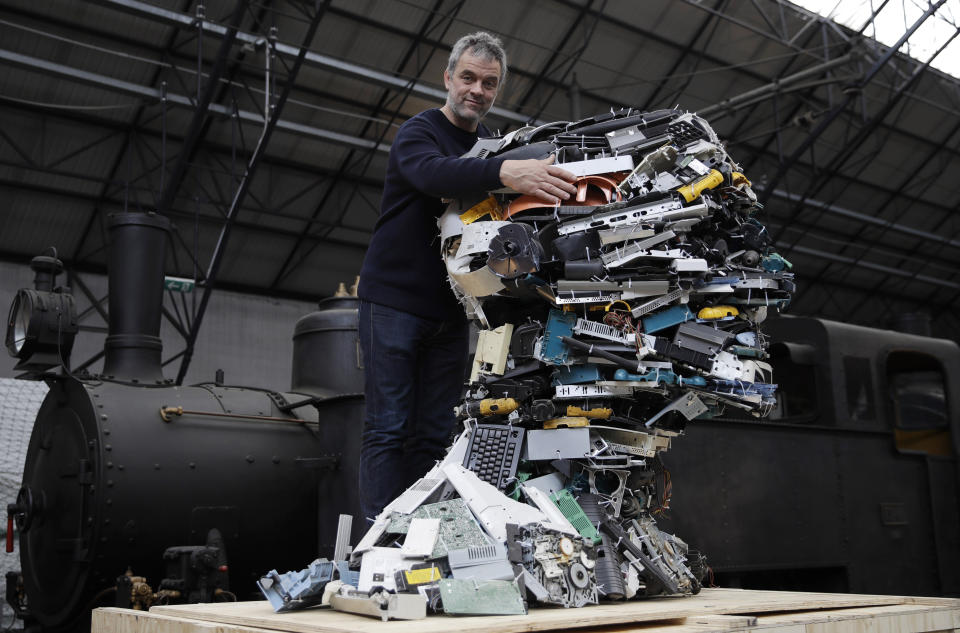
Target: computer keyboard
point(494, 452)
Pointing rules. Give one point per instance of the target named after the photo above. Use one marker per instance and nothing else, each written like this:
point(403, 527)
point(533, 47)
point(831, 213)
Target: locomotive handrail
point(167, 414)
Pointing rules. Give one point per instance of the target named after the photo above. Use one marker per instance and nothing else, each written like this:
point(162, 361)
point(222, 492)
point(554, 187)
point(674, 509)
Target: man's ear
point(446, 79)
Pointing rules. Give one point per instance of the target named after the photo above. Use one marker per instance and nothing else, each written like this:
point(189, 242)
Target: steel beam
point(776, 37)
point(154, 94)
point(93, 268)
point(186, 216)
point(844, 155)
point(776, 86)
point(340, 67)
point(862, 217)
point(837, 163)
point(940, 206)
point(212, 147)
point(853, 261)
point(364, 74)
point(851, 95)
point(931, 237)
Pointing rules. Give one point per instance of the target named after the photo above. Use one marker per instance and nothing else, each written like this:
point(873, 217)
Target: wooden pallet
point(711, 610)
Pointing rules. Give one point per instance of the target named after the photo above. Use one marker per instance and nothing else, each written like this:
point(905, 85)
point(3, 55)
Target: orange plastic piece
point(592, 190)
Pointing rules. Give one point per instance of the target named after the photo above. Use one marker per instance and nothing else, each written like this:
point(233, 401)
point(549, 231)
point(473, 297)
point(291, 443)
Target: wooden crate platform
point(712, 610)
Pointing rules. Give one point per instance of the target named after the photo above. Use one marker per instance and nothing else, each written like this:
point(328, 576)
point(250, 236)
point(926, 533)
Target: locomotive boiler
point(200, 489)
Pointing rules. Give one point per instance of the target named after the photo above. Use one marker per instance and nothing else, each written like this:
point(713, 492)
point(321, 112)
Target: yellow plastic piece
point(421, 576)
point(610, 305)
point(737, 179)
point(593, 414)
point(498, 406)
point(717, 312)
point(692, 191)
point(490, 207)
point(566, 421)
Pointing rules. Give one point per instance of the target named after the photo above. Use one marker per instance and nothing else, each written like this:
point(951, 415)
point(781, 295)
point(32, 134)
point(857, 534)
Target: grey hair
point(483, 45)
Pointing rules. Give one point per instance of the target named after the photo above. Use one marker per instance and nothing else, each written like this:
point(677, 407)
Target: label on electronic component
point(584, 296)
point(590, 391)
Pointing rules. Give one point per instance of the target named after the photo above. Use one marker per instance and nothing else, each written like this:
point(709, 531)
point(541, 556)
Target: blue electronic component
point(576, 374)
point(774, 263)
point(716, 281)
point(553, 350)
point(297, 589)
point(661, 375)
point(654, 375)
point(663, 319)
point(744, 351)
point(742, 388)
point(344, 573)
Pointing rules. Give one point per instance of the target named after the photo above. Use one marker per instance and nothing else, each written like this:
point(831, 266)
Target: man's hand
point(540, 178)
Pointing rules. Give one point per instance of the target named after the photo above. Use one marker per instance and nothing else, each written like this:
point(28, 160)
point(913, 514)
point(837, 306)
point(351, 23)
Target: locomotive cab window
point(919, 404)
point(858, 381)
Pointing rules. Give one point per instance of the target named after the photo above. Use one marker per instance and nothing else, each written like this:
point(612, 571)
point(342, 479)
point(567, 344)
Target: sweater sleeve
point(423, 164)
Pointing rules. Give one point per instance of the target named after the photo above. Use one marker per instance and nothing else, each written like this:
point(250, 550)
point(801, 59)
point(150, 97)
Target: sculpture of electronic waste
point(607, 323)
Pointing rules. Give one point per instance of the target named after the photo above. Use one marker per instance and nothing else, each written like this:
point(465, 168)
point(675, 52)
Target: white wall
point(19, 403)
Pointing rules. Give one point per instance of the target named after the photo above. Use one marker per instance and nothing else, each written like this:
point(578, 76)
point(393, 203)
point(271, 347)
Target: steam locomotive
point(201, 488)
point(853, 485)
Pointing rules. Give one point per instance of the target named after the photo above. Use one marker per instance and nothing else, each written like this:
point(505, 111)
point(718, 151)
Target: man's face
point(471, 89)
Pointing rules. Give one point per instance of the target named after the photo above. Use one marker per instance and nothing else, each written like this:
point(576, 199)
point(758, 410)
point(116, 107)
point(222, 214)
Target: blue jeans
point(413, 373)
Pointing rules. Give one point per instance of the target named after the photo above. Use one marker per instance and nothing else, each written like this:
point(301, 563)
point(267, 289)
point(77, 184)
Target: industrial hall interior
point(545, 314)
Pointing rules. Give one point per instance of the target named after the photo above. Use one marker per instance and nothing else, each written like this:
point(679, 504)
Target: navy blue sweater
point(403, 268)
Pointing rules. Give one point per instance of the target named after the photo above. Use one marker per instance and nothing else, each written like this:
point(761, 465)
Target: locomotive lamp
point(43, 321)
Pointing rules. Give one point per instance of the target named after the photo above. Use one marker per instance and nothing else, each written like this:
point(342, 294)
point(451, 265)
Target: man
point(413, 332)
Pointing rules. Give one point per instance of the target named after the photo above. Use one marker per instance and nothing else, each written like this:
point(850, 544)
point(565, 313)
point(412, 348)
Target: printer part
point(380, 604)
point(297, 589)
